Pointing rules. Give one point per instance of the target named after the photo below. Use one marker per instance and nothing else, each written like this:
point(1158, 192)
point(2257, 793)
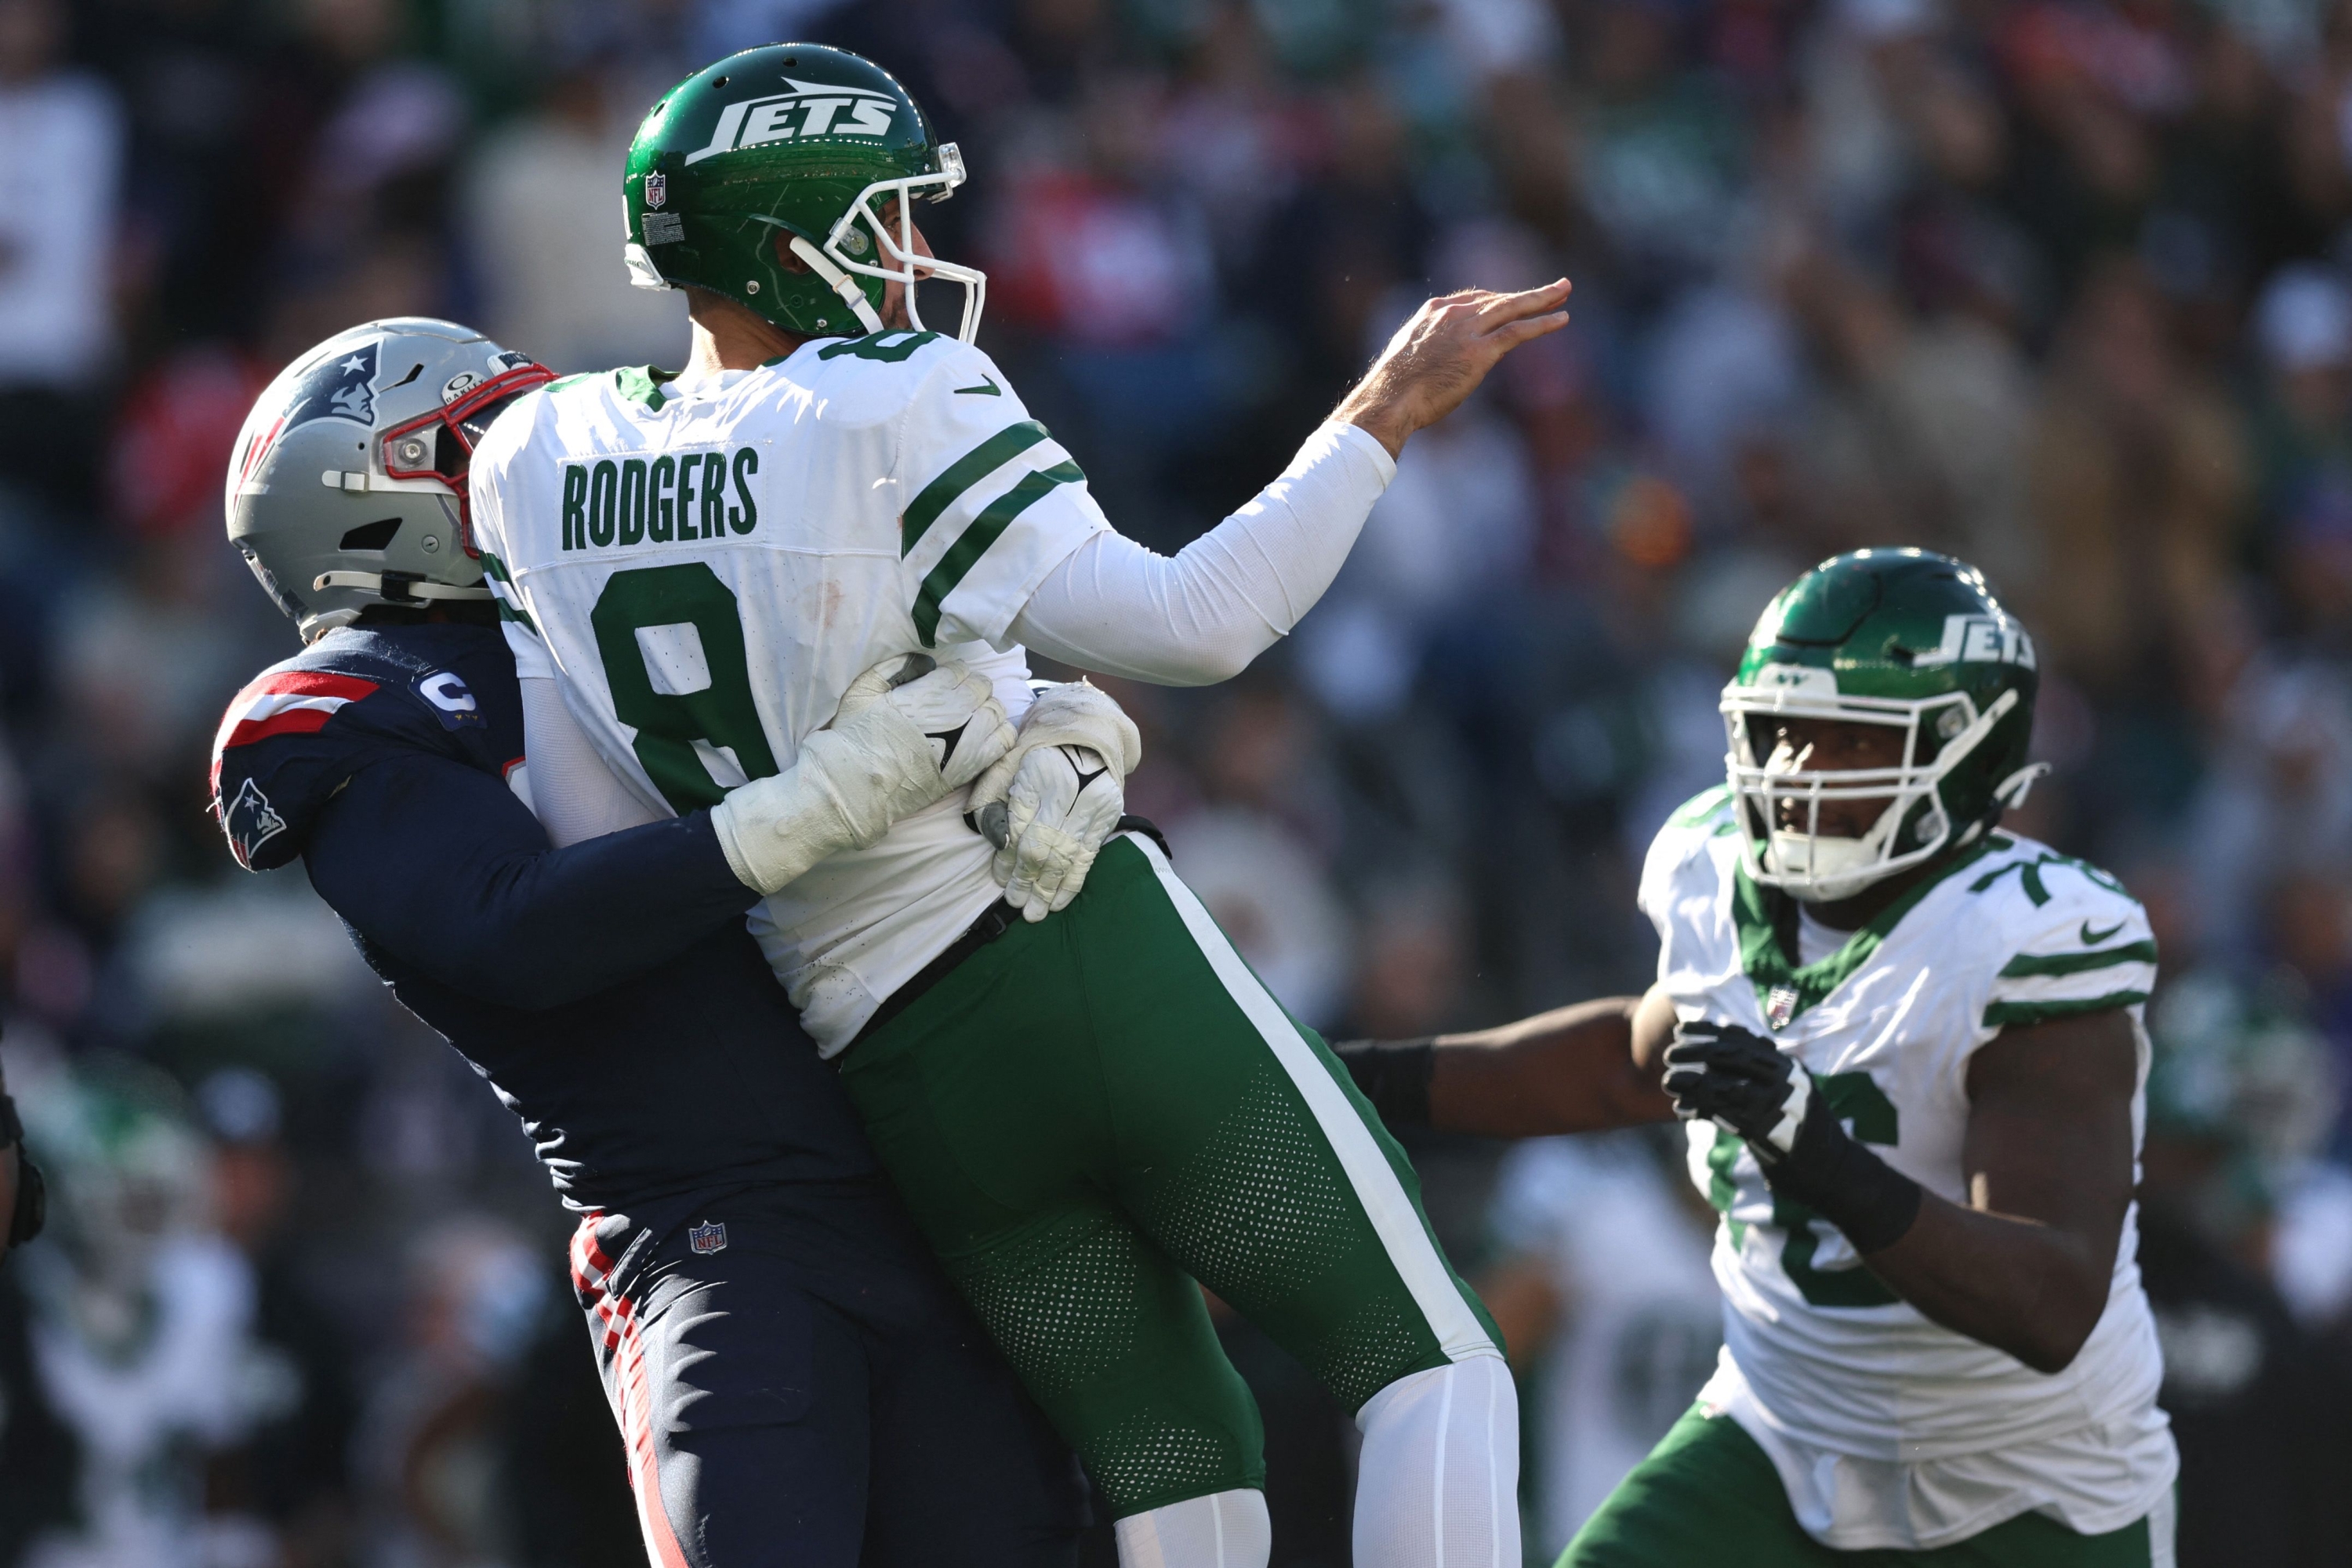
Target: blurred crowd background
point(2057, 285)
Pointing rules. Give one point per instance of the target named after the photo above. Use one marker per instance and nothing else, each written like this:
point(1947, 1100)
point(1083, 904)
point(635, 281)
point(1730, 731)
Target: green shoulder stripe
point(2026, 963)
point(2028, 876)
point(642, 383)
point(494, 567)
point(2001, 1014)
point(961, 475)
point(985, 529)
point(1694, 812)
point(878, 345)
point(1766, 920)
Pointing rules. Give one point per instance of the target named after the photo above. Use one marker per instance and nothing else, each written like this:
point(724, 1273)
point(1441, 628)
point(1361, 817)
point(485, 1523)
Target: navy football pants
point(798, 1386)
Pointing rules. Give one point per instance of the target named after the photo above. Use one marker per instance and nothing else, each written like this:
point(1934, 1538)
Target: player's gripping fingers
point(970, 751)
point(1061, 806)
point(957, 709)
point(1091, 823)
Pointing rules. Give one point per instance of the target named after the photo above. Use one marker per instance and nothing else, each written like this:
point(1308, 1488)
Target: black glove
point(32, 1208)
point(1741, 1081)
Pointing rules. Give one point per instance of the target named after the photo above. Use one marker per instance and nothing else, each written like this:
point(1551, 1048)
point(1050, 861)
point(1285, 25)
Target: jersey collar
point(1766, 922)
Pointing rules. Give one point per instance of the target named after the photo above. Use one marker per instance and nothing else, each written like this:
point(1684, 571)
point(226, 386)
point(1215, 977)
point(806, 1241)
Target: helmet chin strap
point(398, 591)
point(840, 282)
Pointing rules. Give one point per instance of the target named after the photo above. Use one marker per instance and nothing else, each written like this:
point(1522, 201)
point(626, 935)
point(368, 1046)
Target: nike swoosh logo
point(987, 388)
point(2093, 938)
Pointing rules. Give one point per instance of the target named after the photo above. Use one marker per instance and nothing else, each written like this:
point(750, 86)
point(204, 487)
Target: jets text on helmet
point(821, 110)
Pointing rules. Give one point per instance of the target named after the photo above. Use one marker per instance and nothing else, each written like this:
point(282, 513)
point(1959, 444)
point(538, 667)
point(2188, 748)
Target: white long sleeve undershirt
point(1202, 615)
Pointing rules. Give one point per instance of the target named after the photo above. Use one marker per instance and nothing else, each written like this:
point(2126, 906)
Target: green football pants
point(1095, 1110)
point(1707, 1496)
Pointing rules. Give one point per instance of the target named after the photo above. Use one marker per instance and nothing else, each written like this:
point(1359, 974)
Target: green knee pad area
point(1707, 1497)
point(1085, 1120)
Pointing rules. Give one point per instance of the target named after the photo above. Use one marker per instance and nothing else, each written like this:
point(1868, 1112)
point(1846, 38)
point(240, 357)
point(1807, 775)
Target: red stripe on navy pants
point(630, 1388)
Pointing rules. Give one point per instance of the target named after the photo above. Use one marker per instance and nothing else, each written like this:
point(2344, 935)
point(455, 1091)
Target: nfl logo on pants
point(708, 1238)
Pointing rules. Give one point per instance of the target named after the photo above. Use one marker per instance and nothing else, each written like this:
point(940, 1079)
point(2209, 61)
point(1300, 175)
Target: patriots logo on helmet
point(708, 1238)
point(342, 388)
point(250, 821)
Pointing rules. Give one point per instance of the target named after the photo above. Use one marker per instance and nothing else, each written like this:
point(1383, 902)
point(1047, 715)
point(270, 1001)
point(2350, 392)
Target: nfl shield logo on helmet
point(708, 1238)
point(656, 189)
point(1780, 1006)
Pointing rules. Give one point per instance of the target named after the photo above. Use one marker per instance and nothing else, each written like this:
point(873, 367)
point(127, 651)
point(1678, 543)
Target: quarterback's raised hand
point(1439, 357)
point(908, 733)
point(1744, 1083)
point(1051, 803)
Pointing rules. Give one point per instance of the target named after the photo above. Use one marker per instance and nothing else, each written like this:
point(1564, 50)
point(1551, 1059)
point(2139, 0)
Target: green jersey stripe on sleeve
point(994, 520)
point(961, 475)
point(496, 570)
point(2000, 1015)
point(2026, 963)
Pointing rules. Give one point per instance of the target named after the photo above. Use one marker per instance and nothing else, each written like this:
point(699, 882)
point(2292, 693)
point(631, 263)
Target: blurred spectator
point(142, 1321)
point(2237, 1101)
point(2137, 493)
point(288, 1475)
point(2276, 802)
point(1661, 153)
point(540, 202)
point(1267, 890)
point(64, 130)
point(1604, 1295)
point(429, 1438)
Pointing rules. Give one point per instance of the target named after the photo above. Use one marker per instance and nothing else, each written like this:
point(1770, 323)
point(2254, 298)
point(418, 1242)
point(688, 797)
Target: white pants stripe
point(1395, 1219)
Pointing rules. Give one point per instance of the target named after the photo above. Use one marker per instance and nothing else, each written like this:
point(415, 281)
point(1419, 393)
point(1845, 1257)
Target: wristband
point(1840, 1179)
point(1393, 1075)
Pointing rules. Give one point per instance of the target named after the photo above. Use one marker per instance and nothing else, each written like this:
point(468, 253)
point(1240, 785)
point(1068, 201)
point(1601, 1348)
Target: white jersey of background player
point(1604, 1283)
point(1910, 1051)
point(1890, 1430)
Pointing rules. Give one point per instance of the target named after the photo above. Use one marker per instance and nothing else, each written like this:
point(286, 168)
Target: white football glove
point(961, 716)
point(902, 740)
point(1052, 801)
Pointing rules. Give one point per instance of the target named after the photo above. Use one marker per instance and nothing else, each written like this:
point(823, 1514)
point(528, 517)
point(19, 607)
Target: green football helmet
point(799, 143)
point(1904, 638)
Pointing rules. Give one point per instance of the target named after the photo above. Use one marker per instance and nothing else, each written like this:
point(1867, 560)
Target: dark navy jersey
point(608, 991)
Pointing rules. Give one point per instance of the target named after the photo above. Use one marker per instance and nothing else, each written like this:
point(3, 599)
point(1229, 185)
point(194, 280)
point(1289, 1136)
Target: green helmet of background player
point(797, 149)
point(1902, 638)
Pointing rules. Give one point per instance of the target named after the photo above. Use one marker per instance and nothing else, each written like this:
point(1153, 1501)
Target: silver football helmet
point(347, 485)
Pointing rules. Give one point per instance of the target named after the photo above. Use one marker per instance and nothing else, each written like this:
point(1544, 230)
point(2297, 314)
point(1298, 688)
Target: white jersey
point(1889, 1430)
point(704, 569)
point(1641, 1312)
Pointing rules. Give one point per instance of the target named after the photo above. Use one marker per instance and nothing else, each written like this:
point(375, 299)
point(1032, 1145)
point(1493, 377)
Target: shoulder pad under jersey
point(297, 732)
